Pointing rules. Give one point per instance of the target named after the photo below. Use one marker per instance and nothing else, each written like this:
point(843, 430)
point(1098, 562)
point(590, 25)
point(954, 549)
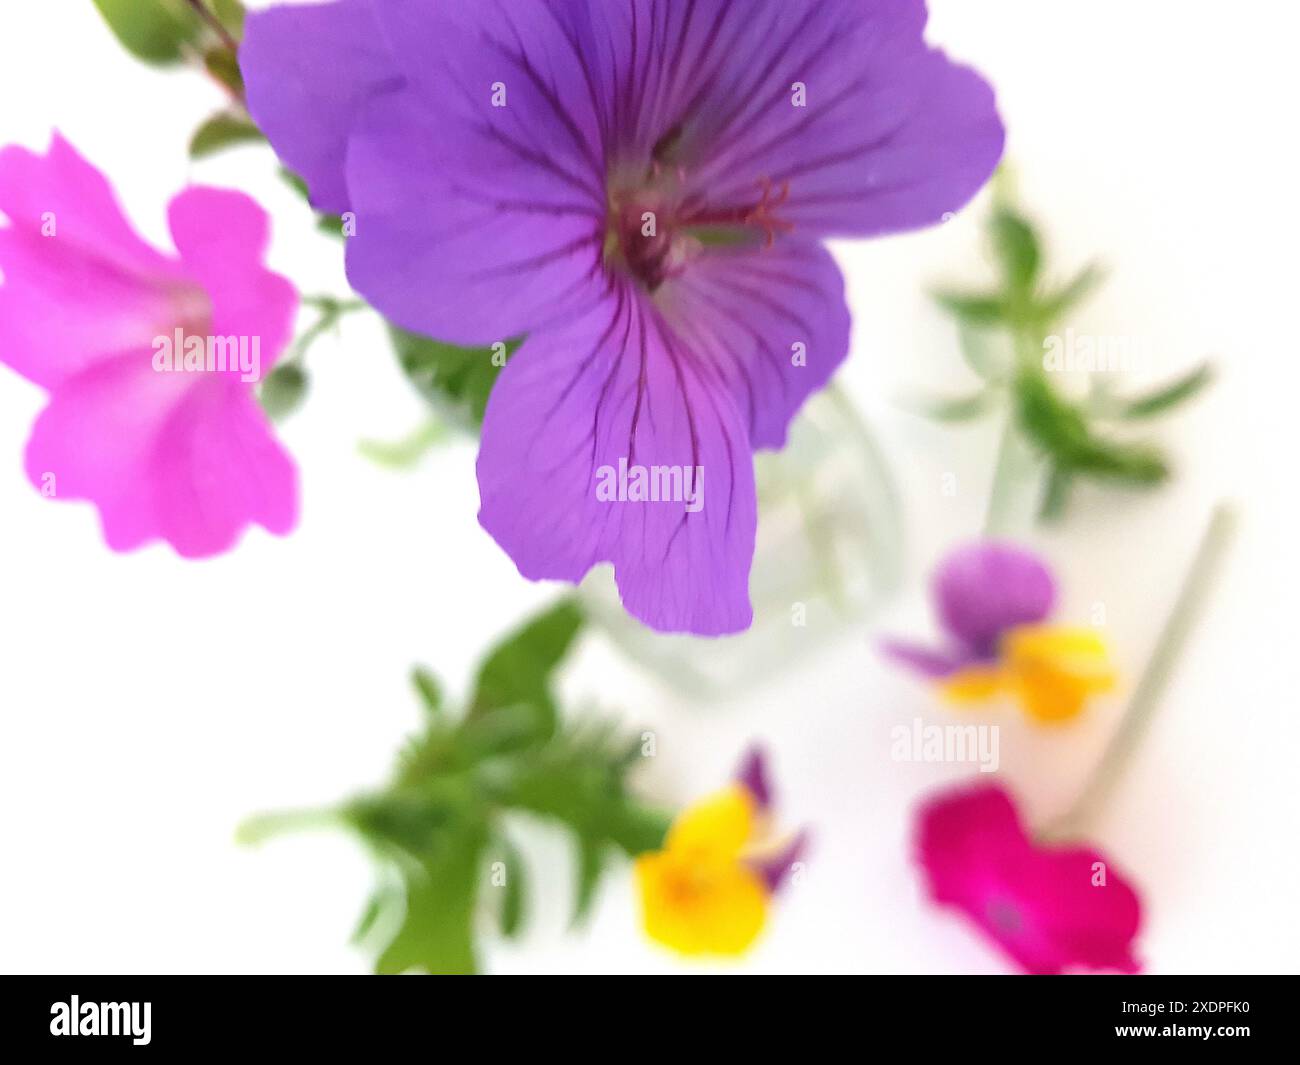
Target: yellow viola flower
point(993, 601)
point(1051, 670)
point(709, 890)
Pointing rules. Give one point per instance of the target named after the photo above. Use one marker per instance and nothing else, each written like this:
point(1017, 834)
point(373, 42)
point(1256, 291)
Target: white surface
point(147, 704)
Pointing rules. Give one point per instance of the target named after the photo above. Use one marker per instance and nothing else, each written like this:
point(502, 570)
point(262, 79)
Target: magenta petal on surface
point(984, 589)
point(573, 418)
point(308, 71)
point(1049, 908)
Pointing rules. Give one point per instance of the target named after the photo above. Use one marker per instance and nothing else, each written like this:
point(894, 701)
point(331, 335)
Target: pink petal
point(1042, 905)
point(222, 237)
point(183, 457)
point(90, 289)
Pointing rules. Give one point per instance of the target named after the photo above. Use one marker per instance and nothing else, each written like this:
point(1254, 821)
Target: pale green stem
point(1173, 639)
point(261, 827)
point(1005, 476)
point(1012, 464)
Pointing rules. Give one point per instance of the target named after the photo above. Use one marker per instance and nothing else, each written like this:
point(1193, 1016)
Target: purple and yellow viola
point(709, 890)
point(993, 601)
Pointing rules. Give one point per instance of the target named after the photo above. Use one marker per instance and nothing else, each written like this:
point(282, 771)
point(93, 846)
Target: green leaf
point(513, 891)
point(985, 352)
point(457, 381)
point(441, 895)
point(972, 309)
point(580, 780)
point(329, 224)
point(283, 391)
point(955, 409)
point(518, 672)
point(428, 688)
point(1017, 248)
point(1057, 304)
point(635, 828)
point(369, 917)
point(295, 182)
point(1061, 430)
point(223, 65)
point(502, 730)
point(1163, 399)
point(231, 14)
point(220, 132)
point(591, 864)
point(155, 31)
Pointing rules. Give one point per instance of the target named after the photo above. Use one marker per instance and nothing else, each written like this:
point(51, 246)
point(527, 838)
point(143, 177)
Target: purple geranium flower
point(640, 188)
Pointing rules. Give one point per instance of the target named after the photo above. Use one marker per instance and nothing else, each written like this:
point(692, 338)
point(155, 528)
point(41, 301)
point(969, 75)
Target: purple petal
point(985, 588)
point(774, 870)
point(309, 70)
point(933, 665)
point(771, 321)
point(509, 79)
point(753, 776)
point(892, 135)
point(459, 240)
point(612, 386)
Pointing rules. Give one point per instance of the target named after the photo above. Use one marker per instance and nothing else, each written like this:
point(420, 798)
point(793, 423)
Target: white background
point(147, 704)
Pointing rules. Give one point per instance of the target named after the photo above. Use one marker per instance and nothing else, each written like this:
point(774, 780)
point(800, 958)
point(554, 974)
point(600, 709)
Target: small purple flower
point(993, 601)
point(641, 188)
point(980, 591)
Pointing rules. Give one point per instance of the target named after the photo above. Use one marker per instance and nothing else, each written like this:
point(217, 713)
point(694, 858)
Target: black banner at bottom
point(143, 1014)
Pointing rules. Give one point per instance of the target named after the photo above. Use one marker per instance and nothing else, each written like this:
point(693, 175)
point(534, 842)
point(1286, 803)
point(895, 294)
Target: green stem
point(1005, 476)
point(334, 305)
point(331, 311)
point(1013, 464)
point(214, 24)
point(261, 827)
point(1173, 639)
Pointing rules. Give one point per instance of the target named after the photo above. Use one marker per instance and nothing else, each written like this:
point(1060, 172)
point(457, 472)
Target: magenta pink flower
point(150, 359)
point(1049, 908)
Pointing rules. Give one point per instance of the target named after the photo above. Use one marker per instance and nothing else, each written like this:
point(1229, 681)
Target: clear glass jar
point(828, 554)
